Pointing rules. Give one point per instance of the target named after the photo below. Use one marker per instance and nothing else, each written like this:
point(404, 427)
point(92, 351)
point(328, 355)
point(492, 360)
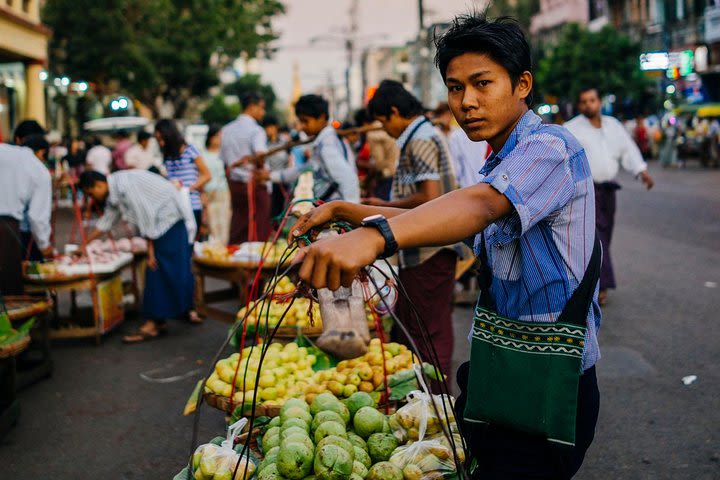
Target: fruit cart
point(220, 263)
point(38, 365)
point(105, 287)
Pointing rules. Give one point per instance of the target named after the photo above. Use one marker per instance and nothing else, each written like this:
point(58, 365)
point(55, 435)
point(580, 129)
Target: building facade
point(23, 57)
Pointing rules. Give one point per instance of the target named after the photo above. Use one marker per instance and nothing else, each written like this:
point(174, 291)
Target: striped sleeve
point(535, 177)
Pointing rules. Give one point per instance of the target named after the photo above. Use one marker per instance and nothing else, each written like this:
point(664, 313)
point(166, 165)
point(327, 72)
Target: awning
point(113, 124)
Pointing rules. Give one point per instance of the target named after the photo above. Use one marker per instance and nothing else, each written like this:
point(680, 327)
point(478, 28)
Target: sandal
point(140, 336)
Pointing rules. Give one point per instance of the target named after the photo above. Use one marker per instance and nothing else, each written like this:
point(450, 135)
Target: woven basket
point(13, 349)
point(20, 307)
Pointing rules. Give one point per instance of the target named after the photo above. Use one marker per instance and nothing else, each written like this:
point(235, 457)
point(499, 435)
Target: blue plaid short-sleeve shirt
point(540, 252)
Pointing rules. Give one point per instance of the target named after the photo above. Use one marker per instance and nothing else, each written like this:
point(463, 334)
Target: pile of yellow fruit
point(362, 374)
point(215, 252)
point(297, 316)
point(287, 373)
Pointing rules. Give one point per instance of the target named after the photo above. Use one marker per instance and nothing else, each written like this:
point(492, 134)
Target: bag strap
point(412, 134)
point(575, 311)
point(485, 277)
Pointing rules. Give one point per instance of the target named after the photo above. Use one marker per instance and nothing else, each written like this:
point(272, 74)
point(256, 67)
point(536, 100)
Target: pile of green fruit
point(329, 440)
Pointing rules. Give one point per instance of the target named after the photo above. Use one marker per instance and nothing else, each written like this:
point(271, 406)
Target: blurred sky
point(305, 19)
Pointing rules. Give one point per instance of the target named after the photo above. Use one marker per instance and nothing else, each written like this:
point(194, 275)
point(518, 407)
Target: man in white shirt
point(25, 190)
point(242, 140)
point(99, 158)
point(333, 163)
point(608, 146)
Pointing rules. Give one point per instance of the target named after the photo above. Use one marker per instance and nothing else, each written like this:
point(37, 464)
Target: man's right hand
point(48, 252)
point(316, 217)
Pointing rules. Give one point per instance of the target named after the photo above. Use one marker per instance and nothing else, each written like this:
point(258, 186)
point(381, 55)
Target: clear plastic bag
point(428, 454)
point(222, 462)
point(345, 329)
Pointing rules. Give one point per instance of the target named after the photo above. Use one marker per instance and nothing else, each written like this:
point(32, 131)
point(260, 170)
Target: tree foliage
point(171, 49)
point(521, 10)
point(604, 59)
point(219, 110)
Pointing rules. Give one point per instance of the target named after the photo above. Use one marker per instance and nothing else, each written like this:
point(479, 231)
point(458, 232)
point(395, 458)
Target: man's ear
point(524, 85)
point(394, 111)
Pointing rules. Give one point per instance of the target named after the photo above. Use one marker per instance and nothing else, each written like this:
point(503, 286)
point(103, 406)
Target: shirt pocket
point(504, 243)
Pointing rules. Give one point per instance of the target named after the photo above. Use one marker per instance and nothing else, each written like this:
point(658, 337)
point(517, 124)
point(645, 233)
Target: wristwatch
point(380, 223)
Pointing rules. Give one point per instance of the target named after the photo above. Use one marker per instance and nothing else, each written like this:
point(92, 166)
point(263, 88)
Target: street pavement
point(115, 411)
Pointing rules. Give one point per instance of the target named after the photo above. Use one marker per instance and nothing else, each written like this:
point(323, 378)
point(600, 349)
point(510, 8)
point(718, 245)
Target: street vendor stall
point(237, 265)
point(101, 275)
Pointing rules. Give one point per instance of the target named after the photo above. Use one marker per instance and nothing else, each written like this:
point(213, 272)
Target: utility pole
point(350, 48)
point(423, 54)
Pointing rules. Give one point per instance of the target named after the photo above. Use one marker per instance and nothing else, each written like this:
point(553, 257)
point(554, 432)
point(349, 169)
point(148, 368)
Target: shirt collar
point(528, 123)
point(404, 136)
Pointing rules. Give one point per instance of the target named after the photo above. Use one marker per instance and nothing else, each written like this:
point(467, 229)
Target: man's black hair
point(213, 130)
point(143, 135)
point(587, 88)
point(250, 98)
point(89, 178)
point(270, 120)
point(501, 39)
point(392, 94)
point(313, 106)
point(362, 117)
point(27, 128)
point(172, 138)
point(36, 142)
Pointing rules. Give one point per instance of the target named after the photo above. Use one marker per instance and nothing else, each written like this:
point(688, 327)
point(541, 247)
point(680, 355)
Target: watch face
point(377, 216)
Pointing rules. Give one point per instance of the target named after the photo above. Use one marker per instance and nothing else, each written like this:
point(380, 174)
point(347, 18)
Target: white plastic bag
point(428, 454)
point(345, 330)
point(187, 212)
point(213, 462)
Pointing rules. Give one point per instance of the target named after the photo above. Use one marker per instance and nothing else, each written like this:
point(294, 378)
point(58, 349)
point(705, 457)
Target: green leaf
point(185, 474)
point(5, 325)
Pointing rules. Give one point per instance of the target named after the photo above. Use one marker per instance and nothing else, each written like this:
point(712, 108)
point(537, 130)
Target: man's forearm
point(411, 201)
point(354, 213)
point(450, 218)
point(95, 234)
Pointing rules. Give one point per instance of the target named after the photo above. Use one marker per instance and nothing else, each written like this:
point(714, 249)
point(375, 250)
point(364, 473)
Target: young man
point(276, 162)
point(242, 140)
point(424, 172)
point(140, 155)
point(154, 206)
point(608, 146)
point(534, 209)
point(332, 159)
point(25, 194)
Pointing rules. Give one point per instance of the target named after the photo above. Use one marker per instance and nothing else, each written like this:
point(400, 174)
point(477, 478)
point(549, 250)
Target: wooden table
point(240, 275)
point(102, 321)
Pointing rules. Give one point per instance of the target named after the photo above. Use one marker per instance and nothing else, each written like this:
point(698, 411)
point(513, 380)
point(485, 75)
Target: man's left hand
point(335, 261)
point(646, 179)
point(48, 252)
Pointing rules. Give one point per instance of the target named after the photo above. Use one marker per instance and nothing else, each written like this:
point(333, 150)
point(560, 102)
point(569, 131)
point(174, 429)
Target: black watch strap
point(381, 224)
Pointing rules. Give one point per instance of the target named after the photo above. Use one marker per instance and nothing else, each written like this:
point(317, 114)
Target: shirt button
point(504, 177)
